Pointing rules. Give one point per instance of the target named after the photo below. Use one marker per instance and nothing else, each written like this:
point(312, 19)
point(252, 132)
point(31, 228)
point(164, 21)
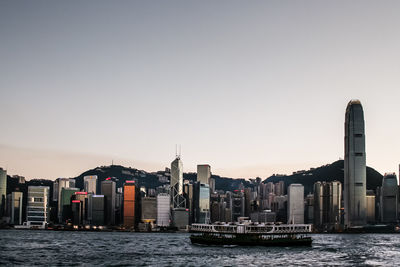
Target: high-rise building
point(309, 209)
point(3, 191)
point(79, 206)
point(180, 218)
point(163, 210)
point(318, 204)
point(149, 210)
point(14, 207)
point(189, 195)
point(203, 174)
point(37, 211)
point(60, 183)
point(129, 204)
point(97, 207)
point(176, 184)
point(295, 205)
point(354, 166)
point(108, 191)
point(389, 198)
point(64, 203)
point(90, 184)
point(238, 205)
point(202, 203)
point(333, 204)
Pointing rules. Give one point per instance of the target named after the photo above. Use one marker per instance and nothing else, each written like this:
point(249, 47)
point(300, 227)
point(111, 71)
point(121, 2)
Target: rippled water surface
point(24, 247)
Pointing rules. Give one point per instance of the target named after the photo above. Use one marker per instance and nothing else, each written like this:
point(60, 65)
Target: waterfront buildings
point(3, 191)
point(129, 204)
point(180, 218)
point(163, 210)
point(14, 208)
point(354, 166)
point(389, 199)
point(90, 184)
point(37, 211)
point(295, 206)
point(149, 210)
point(332, 204)
point(318, 205)
point(327, 205)
point(79, 207)
point(97, 210)
point(64, 203)
point(109, 192)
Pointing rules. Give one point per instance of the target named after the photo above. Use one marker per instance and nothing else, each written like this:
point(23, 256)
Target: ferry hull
point(245, 241)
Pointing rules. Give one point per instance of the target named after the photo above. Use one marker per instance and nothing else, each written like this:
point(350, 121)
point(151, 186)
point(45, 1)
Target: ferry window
point(358, 154)
point(358, 135)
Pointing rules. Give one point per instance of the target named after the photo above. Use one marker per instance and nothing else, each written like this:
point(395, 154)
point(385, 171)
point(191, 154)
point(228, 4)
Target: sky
point(252, 88)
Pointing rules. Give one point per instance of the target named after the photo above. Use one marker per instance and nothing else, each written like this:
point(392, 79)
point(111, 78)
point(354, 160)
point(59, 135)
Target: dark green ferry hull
point(245, 240)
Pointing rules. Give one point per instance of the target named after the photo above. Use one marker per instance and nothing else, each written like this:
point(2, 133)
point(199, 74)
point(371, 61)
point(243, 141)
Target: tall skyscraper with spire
point(354, 166)
point(176, 183)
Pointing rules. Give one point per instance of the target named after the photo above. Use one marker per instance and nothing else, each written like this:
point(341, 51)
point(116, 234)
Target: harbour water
point(24, 247)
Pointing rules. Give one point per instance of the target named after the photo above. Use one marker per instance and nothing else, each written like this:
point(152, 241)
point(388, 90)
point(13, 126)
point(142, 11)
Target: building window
point(358, 154)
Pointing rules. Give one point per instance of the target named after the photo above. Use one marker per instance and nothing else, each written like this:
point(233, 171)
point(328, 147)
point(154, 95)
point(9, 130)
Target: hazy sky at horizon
point(251, 88)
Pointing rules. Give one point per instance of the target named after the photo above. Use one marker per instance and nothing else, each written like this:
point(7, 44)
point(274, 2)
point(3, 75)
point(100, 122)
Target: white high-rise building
point(90, 184)
point(163, 210)
point(203, 174)
point(37, 211)
point(354, 166)
point(295, 205)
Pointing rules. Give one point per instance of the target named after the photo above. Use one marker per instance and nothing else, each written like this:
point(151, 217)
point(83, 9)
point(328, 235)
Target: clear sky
point(250, 87)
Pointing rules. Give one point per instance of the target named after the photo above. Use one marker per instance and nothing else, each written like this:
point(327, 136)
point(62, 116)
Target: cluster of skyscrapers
point(330, 207)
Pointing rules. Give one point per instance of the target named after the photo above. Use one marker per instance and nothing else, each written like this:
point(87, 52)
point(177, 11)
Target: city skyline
point(251, 90)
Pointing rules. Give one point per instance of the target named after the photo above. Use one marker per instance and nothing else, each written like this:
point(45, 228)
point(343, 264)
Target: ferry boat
point(247, 233)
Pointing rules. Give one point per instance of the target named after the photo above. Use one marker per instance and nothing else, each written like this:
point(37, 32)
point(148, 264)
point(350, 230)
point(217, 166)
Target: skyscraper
point(108, 190)
point(295, 204)
point(3, 191)
point(14, 207)
point(318, 204)
point(129, 204)
point(389, 198)
point(163, 210)
point(354, 166)
point(176, 184)
point(61, 183)
point(203, 174)
point(90, 184)
point(64, 202)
